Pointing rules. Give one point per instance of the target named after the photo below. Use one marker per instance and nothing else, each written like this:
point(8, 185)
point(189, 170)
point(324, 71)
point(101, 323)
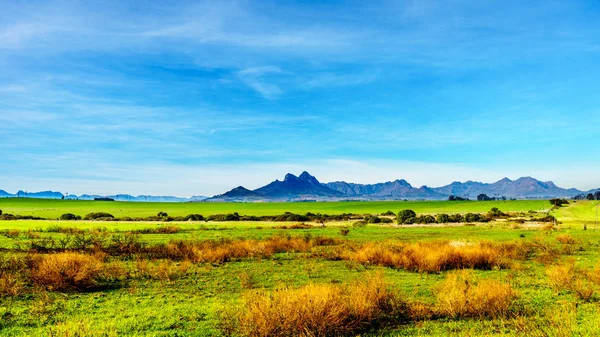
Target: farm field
point(48, 208)
point(250, 278)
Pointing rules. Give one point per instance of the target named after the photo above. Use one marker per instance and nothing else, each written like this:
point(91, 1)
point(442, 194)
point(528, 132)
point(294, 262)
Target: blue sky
point(192, 98)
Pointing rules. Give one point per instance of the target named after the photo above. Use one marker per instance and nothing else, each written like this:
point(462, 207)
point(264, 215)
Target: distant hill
point(393, 190)
point(239, 193)
point(118, 197)
point(303, 187)
point(306, 187)
point(522, 188)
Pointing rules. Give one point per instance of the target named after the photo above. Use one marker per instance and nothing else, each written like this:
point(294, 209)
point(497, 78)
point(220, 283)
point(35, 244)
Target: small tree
point(374, 219)
point(70, 216)
point(443, 218)
point(405, 214)
point(590, 196)
point(425, 219)
point(0, 212)
point(472, 217)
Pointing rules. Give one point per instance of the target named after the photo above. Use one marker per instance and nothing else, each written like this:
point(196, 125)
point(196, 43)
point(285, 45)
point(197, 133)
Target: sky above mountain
point(186, 98)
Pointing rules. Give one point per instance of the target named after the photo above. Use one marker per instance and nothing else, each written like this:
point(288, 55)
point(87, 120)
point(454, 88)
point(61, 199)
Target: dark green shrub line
point(408, 217)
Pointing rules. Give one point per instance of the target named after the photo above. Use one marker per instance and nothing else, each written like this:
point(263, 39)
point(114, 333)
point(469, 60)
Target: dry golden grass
point(561, 276)
point(316, 310)
point(12, 233)
point(565, 239)
point(461, 296)
point(548, 227)
point(434, 257)
point(559, 320)
point(66, 271)
point(227, 250)
point(566, 276)
point(10, 285)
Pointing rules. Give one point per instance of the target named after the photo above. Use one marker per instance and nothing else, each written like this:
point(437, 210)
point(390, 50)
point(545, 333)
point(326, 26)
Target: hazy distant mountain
point(307, 187)
point(304, 186)
point(525, 187)
point(397, 189)
point(39, 195)
point(118, 197)
point(239, 193)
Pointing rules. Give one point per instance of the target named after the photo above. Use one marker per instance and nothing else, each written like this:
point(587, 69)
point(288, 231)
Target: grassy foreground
point(500, 278)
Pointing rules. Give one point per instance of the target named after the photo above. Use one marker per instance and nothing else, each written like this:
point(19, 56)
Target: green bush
point(70, 216)
point(455, 218)
point(98, 215)
point(374, 219)
point(193, 217)
point(473, 217)
point(404, 215)
point(443, 218)
point(425, 219)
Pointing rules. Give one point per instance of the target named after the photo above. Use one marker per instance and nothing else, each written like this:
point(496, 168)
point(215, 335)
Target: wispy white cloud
point(257, 79)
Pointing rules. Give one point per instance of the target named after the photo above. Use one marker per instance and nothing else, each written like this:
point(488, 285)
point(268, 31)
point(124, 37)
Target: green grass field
point(169, 297)
point(55, 208)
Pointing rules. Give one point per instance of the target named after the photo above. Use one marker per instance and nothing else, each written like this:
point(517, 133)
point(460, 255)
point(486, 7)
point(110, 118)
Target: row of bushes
point(161, 216)
point(408, 217)
point(9, 216)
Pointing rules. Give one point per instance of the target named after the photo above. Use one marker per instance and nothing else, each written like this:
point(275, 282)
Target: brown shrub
point(115, 271)
point(461, 296)
point(316, 310)
point(301, 225)
point(561, 276)
point(227, 250)
point(548, 227)
point(11, 233)
point(10, 285)
point(566, 276)
point(565, 239)
point(557, 321)
point(434, 257)
point(66, 271)
point(31, 234)
point(583, 289)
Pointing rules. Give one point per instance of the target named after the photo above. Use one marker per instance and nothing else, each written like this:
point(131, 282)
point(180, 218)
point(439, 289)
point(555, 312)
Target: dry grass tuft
point(11, 233)
point(548, 227)
point(66, 271)
point(561, 276)
point(565, 239)
point(461, 296)
point(557, 321)
point(435, 257)
point(10, 285)
point(316, 310)
point(228, 250)
point(567, 277)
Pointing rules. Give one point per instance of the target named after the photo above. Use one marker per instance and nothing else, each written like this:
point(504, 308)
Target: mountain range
point(117, 197)
point(306, 187)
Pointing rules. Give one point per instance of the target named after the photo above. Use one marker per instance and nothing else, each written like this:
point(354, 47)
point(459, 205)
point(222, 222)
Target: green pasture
point(48, 208)
point(191, 304)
